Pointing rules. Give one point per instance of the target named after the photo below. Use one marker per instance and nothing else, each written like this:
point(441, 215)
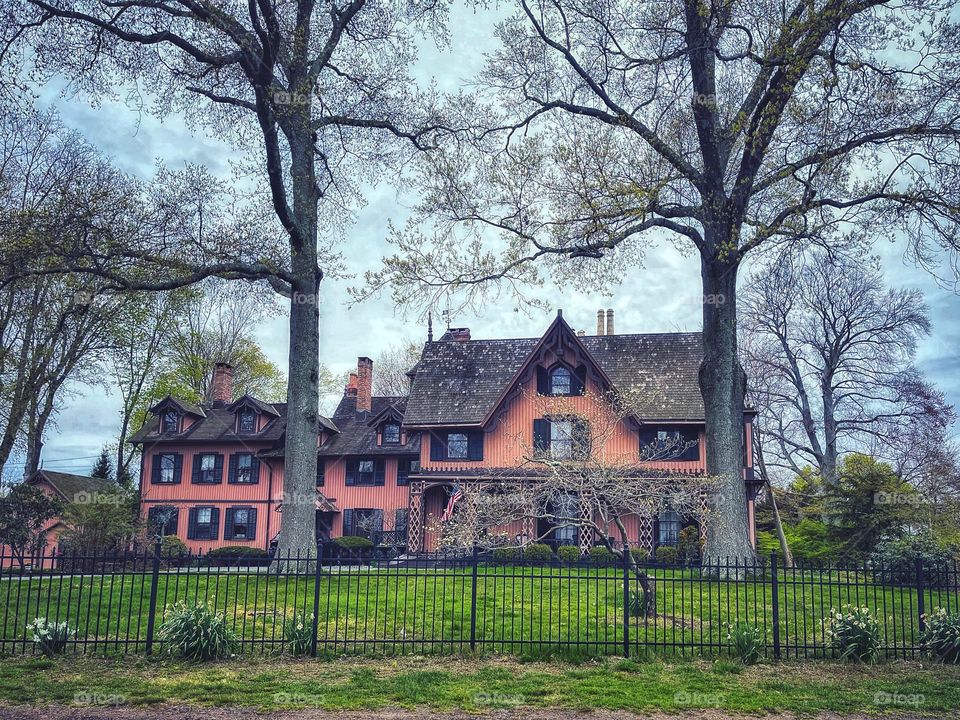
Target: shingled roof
point(458, 383)
point(70, 486)
point(358, 434)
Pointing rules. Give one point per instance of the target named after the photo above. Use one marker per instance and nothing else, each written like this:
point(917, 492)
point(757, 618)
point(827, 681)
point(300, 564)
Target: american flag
point(455, 495)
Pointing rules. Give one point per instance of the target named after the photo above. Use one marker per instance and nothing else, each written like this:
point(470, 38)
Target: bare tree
point(392, 366)
point(603, 127)
point(830, 351)
point(583, 480)
point(314, 87)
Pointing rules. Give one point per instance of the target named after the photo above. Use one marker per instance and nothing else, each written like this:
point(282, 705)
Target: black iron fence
point(460, 602)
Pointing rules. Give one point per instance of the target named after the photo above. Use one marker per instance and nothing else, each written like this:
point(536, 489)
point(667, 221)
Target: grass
point(572, 612)
point(476, 685)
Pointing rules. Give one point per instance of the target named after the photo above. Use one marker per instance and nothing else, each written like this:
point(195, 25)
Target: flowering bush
point(942, 635)
point(746, 642)
point(854, 632)
point(298, 634)
point(50, 637)
point(196, 632)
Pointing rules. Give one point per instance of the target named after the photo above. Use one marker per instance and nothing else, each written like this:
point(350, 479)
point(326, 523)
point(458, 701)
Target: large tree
point(724, 125)
point(313, 87)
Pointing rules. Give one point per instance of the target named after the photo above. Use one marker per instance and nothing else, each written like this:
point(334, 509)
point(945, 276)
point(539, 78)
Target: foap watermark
point(704, 299)
point(902, 498)
point(693, 698)
point(96, 498)
point(496, 699)
point(894, 699)
point(85, 697)
point(285, 698)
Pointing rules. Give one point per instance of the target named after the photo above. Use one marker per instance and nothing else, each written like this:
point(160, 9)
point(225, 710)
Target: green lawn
point(476, 685)
point(567, 611)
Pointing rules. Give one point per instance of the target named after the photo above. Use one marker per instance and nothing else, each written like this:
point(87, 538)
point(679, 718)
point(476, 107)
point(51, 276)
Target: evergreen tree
point(103, 468)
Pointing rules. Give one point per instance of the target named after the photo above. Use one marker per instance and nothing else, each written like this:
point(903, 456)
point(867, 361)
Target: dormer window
point(561, 381)
point(247, 421)
point(391, 434)
point(170, 421)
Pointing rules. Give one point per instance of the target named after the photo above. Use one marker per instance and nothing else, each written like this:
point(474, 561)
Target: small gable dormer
point(251, 415)
point(174, 416)
point(560, 379)
point(389, 425)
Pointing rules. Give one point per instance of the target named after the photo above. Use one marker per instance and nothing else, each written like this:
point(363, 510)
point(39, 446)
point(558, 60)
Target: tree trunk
point(828, 463)
point(723, 386)
point(298, 525)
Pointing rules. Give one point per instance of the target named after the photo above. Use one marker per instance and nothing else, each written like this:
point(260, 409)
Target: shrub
point(666, 555)
point(49, 637)
point(640, 555)
point(537, 553)
point(638, 604)
point(689, 545)
point(854, 632)
point(569, 554)
point(235, 551)
point(942, 636)
point(510, 554)
point(745, 642)
point(172, 547)
point(894, 561)
point(353, 542)
point(602, 557)
point(196, 632)
point(298, 634)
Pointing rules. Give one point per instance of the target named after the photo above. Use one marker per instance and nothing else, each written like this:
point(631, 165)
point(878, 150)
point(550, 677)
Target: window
point(364, 522)
point(163, 519)
point(391, 434)
point(241, 524)
point(457, 445)
point(668, 531)
point(321, 472)
point(167, 468)
point(670, 443)
point(562, 438)
point(170, 421)
point(405, 467)
point(207, 468)
point(247, 421)
point(565, 533)
point(365, 472)
point(244, 469)
point(560, 381)
point(204, 523)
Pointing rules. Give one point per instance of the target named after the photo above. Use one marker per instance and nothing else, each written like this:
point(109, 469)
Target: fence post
point(316, 599)
point(473, 598)
point(626, 600)
point(775, 590)
point(154, 582)
point(920, 607)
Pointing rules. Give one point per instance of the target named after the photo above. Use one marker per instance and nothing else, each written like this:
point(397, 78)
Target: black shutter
point(352, 466)
point(321, 471)
point(578, 382)
point(232, 472)
point(378, 521)
point(437, 447)
point(348, 522)
point(214, 523)
point(218, 468)
point(252, 524)
point(475, 445)
point(647, 438)
point(541, 437)
point(403, 472)
point(177, 467)
point(227, 523)
point(582, 440)
point(254, 469)
point(155, 469)
point(543, 381)
point(400, 519)
point(192, 524)
point(379, 471)
point(197, 460)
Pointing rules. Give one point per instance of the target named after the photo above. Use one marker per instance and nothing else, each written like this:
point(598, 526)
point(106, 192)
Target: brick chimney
point(457, 334)
point(609, 322)
point(599, 322)
point(364, 384)
point(221, 390)
point(351, 387)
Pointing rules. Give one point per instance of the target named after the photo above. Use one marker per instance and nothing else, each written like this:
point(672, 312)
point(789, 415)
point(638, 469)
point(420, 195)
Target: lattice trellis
point(585, 531)
point(415, 518)
point(645, 532)
point(702, 524)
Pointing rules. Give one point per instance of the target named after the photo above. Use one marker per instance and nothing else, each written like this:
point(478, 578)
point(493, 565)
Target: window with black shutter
point(561, 380)
point(562, 438)
point(366, 472)
point(240, 524)
point(457, 445)
point(167, 468)
point(162, 519)
point(406, 466)
point(207, 469)
point(204, 523)
point(244, 469)
point(364, 522)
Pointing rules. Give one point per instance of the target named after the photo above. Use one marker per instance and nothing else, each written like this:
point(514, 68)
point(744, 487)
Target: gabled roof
point(461, 382)
point(358, 436)
point(179, 405)
point(69, 486)
point(250, 401)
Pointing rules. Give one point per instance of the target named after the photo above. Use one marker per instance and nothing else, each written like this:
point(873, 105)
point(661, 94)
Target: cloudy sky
point(661, 296)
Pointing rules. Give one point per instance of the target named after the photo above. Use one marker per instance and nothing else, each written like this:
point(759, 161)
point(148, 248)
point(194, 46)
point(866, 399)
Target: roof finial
point(429, 326)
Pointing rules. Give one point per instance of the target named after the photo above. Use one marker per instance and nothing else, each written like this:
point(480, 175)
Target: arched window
point(561, 381)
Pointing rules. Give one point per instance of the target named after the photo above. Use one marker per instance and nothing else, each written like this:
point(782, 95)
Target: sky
point(662, 296)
